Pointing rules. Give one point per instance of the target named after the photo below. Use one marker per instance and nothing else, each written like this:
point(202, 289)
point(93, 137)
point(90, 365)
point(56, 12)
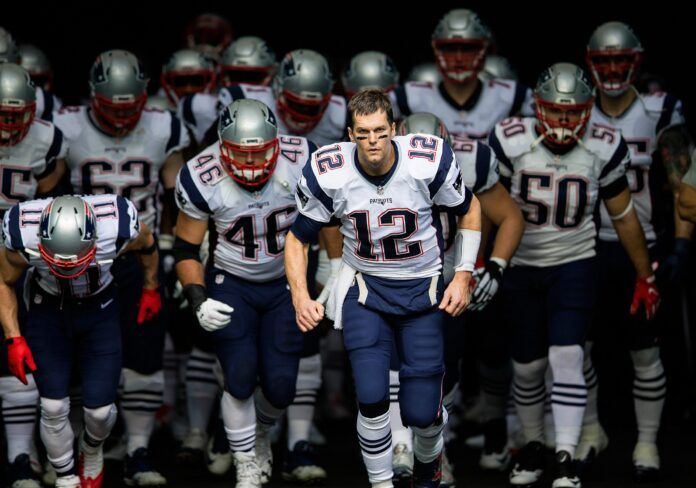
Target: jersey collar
point(381, 180)
point(470, 102)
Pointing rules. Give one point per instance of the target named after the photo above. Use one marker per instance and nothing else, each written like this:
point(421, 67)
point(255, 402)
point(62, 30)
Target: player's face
point(373, 134)
point(558, 117)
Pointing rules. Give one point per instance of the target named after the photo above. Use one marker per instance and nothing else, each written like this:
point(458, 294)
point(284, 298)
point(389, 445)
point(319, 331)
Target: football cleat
point(402, 465)
point(138, 470)
point(593, 440)
point(646, 462)
point(566, 475)
point(248, 472)
point(301, 467)
point(20, 474)
point(529, 465)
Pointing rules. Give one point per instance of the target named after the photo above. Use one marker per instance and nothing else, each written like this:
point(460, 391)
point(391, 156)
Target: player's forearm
point(687, 202)
point(683, 229)
point(190, 272)
point(633, 240)
point(508, 237)
point(472, 219)
point(333, 241)
point(8, 310)
point(150, 264)
point(296, 266)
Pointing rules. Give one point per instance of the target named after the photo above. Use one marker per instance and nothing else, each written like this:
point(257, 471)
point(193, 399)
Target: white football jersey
point(558, 193)
point(493, 101)
point(641, 126)
point(129, 166)
point(47, 104)
point(388, 229)
point(479, 168)
point(200, 114)
point(34, 157)
point(251, 226)
point(117, 225)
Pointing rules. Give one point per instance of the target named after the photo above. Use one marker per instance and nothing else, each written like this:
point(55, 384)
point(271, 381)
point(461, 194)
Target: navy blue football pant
point(370, 336)
point(75, 335)
point(262, 344)
point(143, 345)
point(550, 306)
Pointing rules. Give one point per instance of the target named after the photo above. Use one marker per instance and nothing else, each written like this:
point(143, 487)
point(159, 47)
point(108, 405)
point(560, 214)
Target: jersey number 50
point(570, 199)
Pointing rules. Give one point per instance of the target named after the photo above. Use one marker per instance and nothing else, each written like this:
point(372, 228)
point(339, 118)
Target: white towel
point(334, 305)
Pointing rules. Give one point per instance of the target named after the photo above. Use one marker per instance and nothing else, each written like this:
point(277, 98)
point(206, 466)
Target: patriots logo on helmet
point(289, 66)
point(303, 198)
point(99, 70)
point(225, 118)
point(272, 118)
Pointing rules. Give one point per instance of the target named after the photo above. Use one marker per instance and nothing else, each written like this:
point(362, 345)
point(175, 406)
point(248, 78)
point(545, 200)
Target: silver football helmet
point(68, 236)
point(302, 89)
point(564, 99)
point(614, 54)
point(423, 123)
point(497, 67)
point(8, 48)
point(187, 72)
point(35, 61)
point(460, 43)
point(248, 60)
point(425, 72)
point(118, 91)
point(17, 103)
point(248, 136)
point(370, 69)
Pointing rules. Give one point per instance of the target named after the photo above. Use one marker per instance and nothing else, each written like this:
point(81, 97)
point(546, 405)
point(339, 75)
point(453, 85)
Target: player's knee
point(374, 410)
point(100, 415)
point(240, 390)
point(420, 400)
point(566, 358)
point(54, 413)
point(279, 390)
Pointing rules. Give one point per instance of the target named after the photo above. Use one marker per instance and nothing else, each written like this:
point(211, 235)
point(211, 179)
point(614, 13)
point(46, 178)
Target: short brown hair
point(367, 102)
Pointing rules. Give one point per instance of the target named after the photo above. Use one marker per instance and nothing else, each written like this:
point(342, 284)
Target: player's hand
point(456, 296)
point(646, 294)
point(18, 353)
point(334, 266)
point(486, 281)
point(214, 315)
point(308, 313)
point(149, 306)
point(671, 269)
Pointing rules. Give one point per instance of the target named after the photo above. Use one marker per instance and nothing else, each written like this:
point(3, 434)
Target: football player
point(32, 156)
point(558, 167)
point(479, 169)
point(70, 244)
point(35, 61)
point(208, 33)
point(383, 188)
point(116, 146)
point(247, 60)
point(47, 104)
point(370, 69)
point(187, 72)
point(650, 124)
point(245, 183)
point(467, 105)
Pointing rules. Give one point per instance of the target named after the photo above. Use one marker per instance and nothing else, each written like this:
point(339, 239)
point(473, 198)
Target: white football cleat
point(593, 440)
point(248, 472)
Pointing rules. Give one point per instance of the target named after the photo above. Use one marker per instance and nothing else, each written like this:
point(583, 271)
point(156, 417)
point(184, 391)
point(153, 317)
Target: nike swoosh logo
point(106, 304)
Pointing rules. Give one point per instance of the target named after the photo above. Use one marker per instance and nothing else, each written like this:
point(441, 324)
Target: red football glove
point(646, 294)
point(18, 353)
point(150, 305)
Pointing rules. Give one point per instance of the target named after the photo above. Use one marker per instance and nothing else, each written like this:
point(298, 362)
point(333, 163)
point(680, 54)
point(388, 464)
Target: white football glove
point(335, 265)
point(487, 280)
point(214, 315)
